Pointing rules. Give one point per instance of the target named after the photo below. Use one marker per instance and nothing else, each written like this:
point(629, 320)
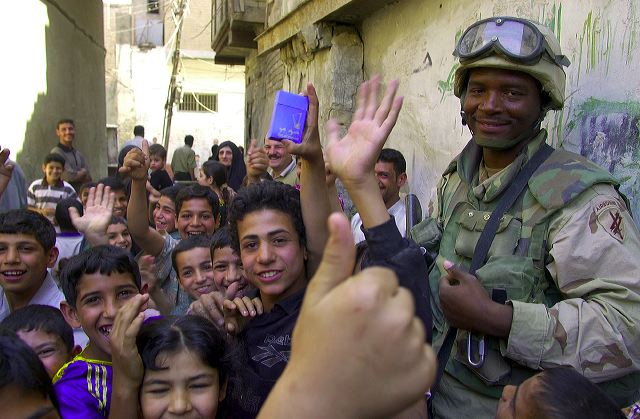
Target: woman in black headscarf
point(231, 157)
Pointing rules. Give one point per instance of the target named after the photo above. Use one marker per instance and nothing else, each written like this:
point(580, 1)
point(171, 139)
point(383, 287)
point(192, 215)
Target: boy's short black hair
point(158, 150)
point(115, 219)
point(62, 213)
point(43, 318)
point(54, 157)
point(564, 393)
point(30, 223)
point(103, 259)
point(65, 121)
point(222, 238)
point(21, 367)
point(171, 192)
point(271, 195)
point(116, 185)
point(198, 191)
point(390, 155)
point(188, 140)
point(191, 242)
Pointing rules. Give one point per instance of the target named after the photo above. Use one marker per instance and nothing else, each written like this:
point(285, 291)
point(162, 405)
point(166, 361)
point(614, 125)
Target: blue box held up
point(289, 116)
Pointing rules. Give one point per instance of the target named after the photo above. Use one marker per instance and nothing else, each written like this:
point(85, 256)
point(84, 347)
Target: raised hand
point(257, 161)
point(346, 325)
point(6, 170)
point(353, 157)
point(97, 215)
point(136, 162)
point(122, 339)
point(310, 147)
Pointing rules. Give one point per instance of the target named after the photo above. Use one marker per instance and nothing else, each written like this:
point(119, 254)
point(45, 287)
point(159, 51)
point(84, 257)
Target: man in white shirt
point(390, 170)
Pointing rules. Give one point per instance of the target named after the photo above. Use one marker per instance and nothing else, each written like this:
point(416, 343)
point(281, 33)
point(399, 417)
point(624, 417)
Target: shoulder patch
point(609, 217)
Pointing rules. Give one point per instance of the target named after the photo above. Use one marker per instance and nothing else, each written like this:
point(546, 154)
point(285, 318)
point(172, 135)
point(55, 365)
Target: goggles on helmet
point(517, 39)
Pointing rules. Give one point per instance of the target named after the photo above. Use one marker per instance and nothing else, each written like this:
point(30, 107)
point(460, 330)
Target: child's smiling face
point(228, 270)
point(272, 255)
point(99, 297)
point(183, 386)
point(195, 271)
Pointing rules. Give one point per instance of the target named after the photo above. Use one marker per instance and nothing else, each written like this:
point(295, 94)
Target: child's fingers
point(257, 303)
point(241, 306)
point(229, 307)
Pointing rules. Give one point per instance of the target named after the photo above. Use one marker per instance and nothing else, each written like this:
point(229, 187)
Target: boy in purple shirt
point(96, 284)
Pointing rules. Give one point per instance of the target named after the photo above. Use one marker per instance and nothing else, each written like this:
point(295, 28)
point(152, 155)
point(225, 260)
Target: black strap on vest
point(486, 238)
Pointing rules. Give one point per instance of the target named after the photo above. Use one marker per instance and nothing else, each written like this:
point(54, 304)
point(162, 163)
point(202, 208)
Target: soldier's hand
point(467, 305)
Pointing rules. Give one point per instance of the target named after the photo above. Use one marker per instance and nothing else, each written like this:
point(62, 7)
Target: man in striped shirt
point(44, 194)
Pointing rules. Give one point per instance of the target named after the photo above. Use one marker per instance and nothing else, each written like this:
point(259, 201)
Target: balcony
point(235, 24)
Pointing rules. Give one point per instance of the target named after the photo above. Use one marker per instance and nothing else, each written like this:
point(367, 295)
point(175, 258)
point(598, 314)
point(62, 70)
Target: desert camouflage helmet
point(544, 63)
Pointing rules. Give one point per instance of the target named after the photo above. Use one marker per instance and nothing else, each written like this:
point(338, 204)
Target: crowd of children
point(229, 297)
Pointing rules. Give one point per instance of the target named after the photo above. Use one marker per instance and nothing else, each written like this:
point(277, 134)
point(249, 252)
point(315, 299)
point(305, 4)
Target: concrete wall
point(57, 51)
point(263, 77)
point(412, 40)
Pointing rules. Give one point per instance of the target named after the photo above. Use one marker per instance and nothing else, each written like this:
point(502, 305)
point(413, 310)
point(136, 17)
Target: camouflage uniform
point(567, 255)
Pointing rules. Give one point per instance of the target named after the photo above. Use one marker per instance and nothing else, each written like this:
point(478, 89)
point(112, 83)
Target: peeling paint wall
point(601, 119)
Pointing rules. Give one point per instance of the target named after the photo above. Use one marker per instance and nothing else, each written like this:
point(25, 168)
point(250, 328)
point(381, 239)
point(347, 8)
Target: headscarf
point(238, 170)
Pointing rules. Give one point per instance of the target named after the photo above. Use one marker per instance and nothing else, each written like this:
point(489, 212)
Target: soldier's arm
point(594, 246)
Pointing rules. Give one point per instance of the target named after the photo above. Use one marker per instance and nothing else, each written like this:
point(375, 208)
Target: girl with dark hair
point(230, 156)
point(176, 366)
point(214, 176)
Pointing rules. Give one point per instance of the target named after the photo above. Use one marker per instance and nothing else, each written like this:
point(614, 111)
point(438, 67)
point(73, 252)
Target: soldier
point(561, 282)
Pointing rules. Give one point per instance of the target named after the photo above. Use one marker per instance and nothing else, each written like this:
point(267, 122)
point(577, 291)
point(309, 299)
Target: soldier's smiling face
point(501, 104)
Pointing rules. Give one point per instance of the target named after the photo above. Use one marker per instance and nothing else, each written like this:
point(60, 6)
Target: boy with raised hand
point(352, 159)
point(341, 316)
point(96, 284)
point(197, 211)
point(314, 203)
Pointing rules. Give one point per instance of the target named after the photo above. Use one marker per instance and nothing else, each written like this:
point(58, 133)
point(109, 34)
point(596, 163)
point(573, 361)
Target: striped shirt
point(41, 195)
point(83, 388)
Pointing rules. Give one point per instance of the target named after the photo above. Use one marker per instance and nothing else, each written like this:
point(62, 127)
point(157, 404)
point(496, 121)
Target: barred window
point(198, 102)
point(153, 6)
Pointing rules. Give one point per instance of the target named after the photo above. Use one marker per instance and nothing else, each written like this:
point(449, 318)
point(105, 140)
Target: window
point(153, 6)
point(199, 102)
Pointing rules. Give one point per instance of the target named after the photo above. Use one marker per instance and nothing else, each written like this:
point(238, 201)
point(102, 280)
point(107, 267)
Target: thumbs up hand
point(357, 349)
